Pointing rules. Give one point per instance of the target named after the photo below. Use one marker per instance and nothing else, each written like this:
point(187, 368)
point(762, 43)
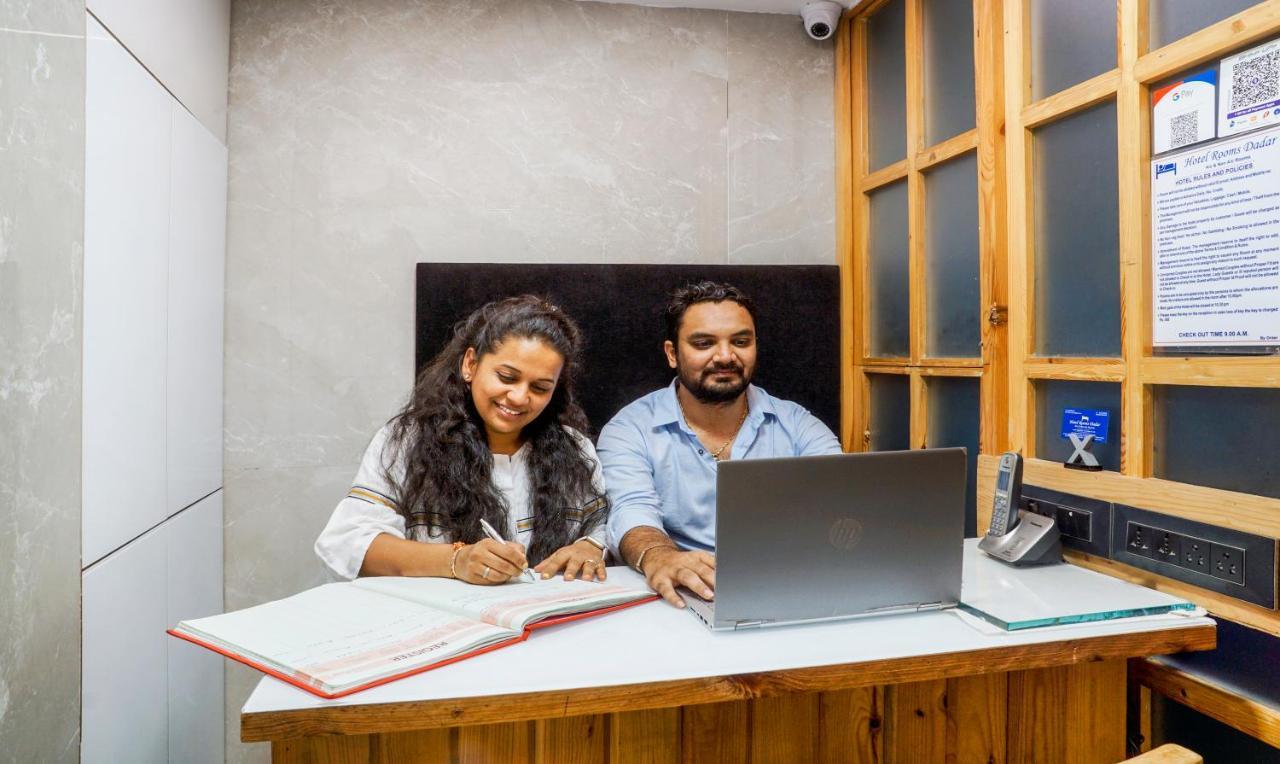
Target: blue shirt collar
point(666, 410)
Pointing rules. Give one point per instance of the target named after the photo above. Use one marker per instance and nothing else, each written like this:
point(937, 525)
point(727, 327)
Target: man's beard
point(699, 383)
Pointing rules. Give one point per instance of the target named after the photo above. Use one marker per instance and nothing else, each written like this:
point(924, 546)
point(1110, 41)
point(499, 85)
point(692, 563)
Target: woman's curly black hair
point(441, 437)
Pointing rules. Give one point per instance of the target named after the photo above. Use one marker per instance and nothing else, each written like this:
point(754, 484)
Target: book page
point(338, 636)
point(513, 605)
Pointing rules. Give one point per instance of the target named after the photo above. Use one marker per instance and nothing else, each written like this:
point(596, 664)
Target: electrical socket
point(1138, 538)
point(1167, 546)
point(1195, 555)
point(1227, 563)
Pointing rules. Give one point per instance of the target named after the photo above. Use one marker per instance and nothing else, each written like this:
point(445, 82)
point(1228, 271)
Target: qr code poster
point(1250, 94)
point(1182, 113)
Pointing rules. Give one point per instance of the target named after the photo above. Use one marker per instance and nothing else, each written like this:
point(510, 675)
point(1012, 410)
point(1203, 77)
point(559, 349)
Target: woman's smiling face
point(511, 386)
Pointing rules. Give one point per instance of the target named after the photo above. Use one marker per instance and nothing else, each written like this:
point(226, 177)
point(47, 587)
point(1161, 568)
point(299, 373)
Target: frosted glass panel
point(890, 419)
point(1223, 437)
point(887, 84)
point(1172, 20)
point(1054, 396)
point(951, 260)
point(1071, 41)
point(955, 408)
point(948, 69)
point(1077, 236)
point(889, 278)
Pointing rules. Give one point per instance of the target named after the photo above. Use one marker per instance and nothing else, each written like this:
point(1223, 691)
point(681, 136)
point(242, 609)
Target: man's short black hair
point(685, 297)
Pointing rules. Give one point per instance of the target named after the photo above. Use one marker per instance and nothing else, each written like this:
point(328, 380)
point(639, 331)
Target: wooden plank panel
point(884, 176)
point(1088, 369)
point(977, 718)
point(1020, 254)
point(511, 742)
point(845, 203)
point(1241, 511)
point(1258, 720)
point(715, 732)
point(1214, 372)
point(645, 737)
point(1248, 26)
point(915, 729)
point(947, 150)
point(1036, 702)
point(988, 61)
point(850, 726)
point(1068, 713)
point(1133, 151)
point(785, 729)
point(574, 740)
point(329, 749)
point(425, 746)
point(1075, 98)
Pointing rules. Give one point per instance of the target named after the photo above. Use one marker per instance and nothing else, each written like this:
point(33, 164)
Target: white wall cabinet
point(197, 254)
point(155, 243)
point(186, 44)
point(128, 119)
point(194, 552)
point(125, 652)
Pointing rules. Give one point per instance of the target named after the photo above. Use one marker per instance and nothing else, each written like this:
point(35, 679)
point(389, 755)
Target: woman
point(491, 431)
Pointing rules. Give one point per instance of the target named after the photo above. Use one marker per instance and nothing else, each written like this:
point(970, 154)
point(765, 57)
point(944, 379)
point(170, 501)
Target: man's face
point(715, 353)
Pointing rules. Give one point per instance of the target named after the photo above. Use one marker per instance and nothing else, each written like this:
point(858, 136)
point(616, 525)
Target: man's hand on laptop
point(666, 568)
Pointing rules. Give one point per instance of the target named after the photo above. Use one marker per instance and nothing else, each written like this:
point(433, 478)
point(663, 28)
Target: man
point(660, 452)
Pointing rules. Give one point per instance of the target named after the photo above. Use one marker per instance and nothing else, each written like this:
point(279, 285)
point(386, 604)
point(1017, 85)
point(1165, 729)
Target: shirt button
point(700, 452)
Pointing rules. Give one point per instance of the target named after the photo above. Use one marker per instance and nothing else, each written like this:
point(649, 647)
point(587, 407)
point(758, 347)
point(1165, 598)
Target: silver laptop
point(817, 538)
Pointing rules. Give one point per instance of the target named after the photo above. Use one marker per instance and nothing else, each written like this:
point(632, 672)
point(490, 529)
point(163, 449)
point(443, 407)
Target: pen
point(491, 533)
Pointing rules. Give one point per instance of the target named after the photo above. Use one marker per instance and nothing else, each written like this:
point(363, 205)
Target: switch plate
point(1085, 523)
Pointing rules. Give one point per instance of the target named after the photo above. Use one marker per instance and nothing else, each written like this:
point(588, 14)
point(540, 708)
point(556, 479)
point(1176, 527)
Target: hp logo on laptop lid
point(845, 533)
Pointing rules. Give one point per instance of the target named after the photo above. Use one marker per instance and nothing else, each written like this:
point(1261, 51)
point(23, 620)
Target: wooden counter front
point(652, 684)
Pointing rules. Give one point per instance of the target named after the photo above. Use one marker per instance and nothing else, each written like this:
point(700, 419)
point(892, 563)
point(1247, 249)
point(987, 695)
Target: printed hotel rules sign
point(1215, 244)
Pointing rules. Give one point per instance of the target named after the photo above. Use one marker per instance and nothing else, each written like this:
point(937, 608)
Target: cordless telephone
point(1016, 536)
point(1004, 510)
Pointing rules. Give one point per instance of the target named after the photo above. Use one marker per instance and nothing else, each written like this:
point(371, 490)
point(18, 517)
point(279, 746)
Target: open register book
point(337, 639)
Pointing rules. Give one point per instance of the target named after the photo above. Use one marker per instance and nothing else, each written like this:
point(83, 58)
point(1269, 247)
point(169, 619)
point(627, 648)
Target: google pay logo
point(1167, 167)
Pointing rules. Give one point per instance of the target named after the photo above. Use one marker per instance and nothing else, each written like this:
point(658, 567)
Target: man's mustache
point(722, 368)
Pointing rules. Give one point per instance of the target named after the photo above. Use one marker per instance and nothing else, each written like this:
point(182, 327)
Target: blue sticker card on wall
point(1083, 422)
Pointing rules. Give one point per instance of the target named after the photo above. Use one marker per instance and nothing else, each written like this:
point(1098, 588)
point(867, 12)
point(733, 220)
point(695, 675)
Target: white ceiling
point(756, 6)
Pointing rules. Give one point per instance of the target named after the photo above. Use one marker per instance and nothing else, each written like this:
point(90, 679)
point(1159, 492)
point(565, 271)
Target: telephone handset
point(1004, 510)
point(1018, 537)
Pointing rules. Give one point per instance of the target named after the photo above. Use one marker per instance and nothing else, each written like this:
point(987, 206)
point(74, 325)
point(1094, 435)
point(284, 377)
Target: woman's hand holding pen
point(490, 562)
point(579, 557)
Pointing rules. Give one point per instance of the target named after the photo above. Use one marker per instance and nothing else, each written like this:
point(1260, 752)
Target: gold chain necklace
point(746, 409)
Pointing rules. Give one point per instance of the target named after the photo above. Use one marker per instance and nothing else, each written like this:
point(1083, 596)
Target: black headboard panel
point(619, 310)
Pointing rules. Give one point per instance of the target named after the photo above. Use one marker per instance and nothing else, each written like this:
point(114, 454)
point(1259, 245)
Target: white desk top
point(656, 642)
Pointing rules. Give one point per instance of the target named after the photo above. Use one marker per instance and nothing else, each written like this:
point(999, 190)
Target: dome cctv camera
point(820, 19)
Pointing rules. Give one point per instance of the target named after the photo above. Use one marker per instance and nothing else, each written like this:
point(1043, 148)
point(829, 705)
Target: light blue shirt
point(658, 474)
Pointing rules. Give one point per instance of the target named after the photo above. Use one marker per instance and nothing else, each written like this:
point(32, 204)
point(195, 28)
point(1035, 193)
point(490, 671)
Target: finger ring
point(485, 574)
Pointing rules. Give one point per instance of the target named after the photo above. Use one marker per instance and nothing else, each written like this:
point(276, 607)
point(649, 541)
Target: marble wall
point(365, 137)
point(41, 264)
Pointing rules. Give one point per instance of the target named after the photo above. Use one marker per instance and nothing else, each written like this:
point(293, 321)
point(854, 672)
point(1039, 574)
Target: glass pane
point(948, 69)
point(1172, 20)
point(889, 277)
point(890, 415)
point(887, 84)
point(955, 409)
point(1077, 236)
point(1223, 437)
point(1071, 41)
point(951, 260)
point(1054, 396)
